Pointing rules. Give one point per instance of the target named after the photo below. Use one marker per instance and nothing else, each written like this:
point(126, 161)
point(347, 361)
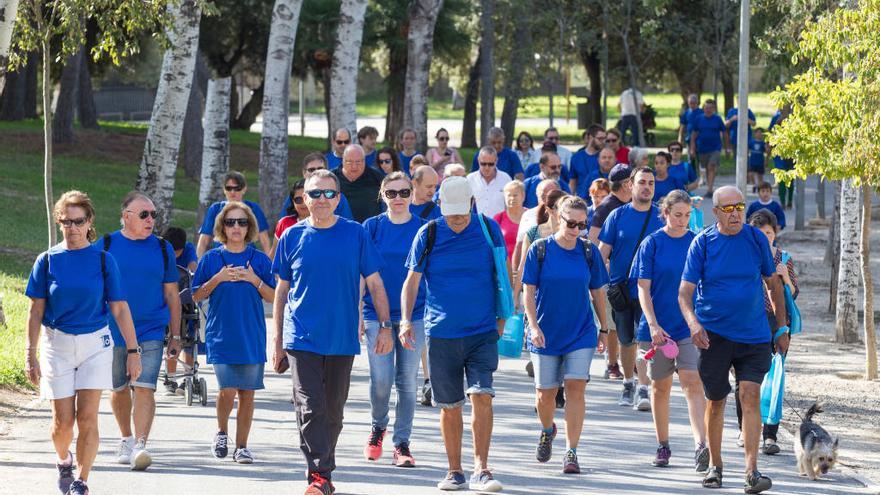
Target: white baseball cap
point(455, 196)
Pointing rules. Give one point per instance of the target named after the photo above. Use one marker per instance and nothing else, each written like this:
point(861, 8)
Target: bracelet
point(260, 286)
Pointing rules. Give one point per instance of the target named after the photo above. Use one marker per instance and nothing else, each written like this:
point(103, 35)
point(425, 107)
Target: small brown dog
point(816, 451)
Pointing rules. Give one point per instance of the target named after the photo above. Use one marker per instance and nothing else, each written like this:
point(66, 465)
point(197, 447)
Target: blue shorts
point(151, 361)
point(450, 360)
point(552, 371)
point(239, 376)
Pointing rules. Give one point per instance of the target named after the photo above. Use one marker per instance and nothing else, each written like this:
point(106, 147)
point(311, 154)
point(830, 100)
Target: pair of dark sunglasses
point(314, 169)
point(487, 164)
point(572, 224)
point(340, 142)
point(79, 222)
point(234, 188)
point(387, 161)
point(403, 193)
point(231, 222)
point(298, 200)
point(442, 139)
point(146, 213)
point(607, 140)
point(327, 193)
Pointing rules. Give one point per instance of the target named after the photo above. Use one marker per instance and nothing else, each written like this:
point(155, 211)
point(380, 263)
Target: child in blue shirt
point(757, 152)
point(765, 200)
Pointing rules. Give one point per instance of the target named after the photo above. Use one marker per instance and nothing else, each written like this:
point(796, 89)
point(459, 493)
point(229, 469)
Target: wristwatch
point(137, 350)
point(176, 337)
point(603, 331)
point(385, 325)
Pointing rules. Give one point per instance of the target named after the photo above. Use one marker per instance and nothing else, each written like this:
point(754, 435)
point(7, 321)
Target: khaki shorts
point(661, 367)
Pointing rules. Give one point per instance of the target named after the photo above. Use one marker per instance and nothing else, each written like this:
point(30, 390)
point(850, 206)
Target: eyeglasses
point(79, 222)
point(487, 164)
point(298, 200)
point(312, 170)
point(675, 150)
point(231, 222)
point(341, 142)
point(572, 224)
point(147, 213)
point(729, 208)
point(327, 193)
point(443, 138)
point(387, 161)
point(403, 193)
point(234, 188)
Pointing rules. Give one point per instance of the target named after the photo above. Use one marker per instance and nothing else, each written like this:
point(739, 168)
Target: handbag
point(511, 342)
point(503, 291)
point(791, 308)
point(618, 294)
point(772, 391)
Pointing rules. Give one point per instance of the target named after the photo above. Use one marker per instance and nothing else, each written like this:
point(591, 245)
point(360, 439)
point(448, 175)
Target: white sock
point(629, 380)
point(66, 461)
point(645, 387)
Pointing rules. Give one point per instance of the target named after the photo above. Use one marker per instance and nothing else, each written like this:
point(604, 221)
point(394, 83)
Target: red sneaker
point(319, 486)
point(614, 372)
point(402, 456)
point(373, 449)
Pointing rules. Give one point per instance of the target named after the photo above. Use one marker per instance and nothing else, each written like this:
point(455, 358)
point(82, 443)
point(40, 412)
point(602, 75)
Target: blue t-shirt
point(187, 256)
point(535, 168)
point(342, 209)
point(418, 210)
point(728, 270)
point(757, 149)
point(404, 162)
point(665, 186)
point(143, 279)
point(393, 242)
point(684, 172)
point(507, 162)
point(370, 158)
point(688, 117)
point(584, 168)
point(333, 161)
point(74, 288)
point(621, 231)
point(324, 268)
point(216, 208)
point(459, 279)
point(708, 131)
point(773, 206)
point(564, 277)
point(235, 331)
point(661, 260)
point(531, 186)
point(734, 126)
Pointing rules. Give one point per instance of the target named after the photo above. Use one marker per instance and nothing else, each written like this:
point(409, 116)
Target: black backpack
point(541, 252)
point(162, 244)
point(432, 237)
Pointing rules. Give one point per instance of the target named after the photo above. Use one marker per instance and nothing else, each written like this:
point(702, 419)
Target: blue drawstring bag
point(511, 342)
point(695, 224)
point(772, 391)
point(503, 291)
point(794, 313)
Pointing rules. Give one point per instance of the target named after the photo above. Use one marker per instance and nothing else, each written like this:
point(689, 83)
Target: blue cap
point(620, 172)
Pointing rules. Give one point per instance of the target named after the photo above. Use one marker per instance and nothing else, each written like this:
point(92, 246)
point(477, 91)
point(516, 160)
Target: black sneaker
point(545, 445)
point(560, 398)
point(757, 483)
point(65, 475)
point(170, 387)
point(426, 394)
point(78, 487)
point(530, 369)
point(219, 447)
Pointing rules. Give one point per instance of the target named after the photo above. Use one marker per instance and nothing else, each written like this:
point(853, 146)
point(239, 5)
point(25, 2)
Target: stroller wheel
point(188, 391)
point(203, 392)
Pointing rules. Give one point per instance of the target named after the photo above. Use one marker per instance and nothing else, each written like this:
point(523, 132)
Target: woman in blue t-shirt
point(658, 267)
point(664, 182)
point(238, 278)
point(561, 274)
point(393, 232)
point(74, 287)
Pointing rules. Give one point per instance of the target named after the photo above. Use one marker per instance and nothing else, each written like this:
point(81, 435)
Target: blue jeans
point(630, 123)
point(400, 367)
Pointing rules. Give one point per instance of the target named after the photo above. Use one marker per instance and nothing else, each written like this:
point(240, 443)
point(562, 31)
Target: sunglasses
point(313, 170)
point(327, 193)
point(443, 139)
point(403, 193)
point(298, 200)
point(341, 142)
point(729, 208)
point(231, 222)
point(234, 188)
point(387, 161)
point(79, 222)
point(487, 164)
point(674, 150)
point(147, 213)
point(572, 224)
point(610, 140)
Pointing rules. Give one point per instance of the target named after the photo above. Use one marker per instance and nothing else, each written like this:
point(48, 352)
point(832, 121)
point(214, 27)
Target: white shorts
point(75, 362)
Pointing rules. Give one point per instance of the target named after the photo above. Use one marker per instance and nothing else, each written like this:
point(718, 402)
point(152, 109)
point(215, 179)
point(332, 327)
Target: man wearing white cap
point(455, 257)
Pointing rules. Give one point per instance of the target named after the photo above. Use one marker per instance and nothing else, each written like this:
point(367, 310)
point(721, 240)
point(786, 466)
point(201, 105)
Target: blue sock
point(573, 451)
point(548, 430)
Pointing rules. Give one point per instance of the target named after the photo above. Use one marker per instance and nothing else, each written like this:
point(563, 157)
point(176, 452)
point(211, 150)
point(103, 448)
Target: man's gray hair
point(451, 168)
point(488, 150)
point(348, 131)
point(420, 171)
point(496, 132)
point(323, 174)
point(352, 147)
point(636, 155)
point(694, 97)
point(716, 196)
point(545, 157)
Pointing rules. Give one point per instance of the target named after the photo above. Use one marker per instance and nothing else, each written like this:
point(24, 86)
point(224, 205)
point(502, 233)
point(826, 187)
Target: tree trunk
point(215, 156)
point(12, 98)
point(832, 251)
point(522, 40)
point(65, 105)
point(868, 292)
point(820, 198)
point(593, 65)
point(487, 69)
point(848, 278)
point(31, 92)
point(420, 49)
point(325, 83)
point(251, 110)
point(397, 60)
point(690, 78)
point(8, 10)
point(161, 150)
point(48, 193)
point(469, 123)
point(193, 134)
point(346, 60)
point(86, 110)
point(728, 88)
point(273, 145)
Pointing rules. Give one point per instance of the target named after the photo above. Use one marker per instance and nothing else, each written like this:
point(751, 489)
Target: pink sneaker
point(402, 456)
point(373, 449)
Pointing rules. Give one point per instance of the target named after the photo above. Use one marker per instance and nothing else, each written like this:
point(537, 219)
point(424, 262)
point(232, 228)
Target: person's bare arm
point(203, 245)
point(172, 300)
point(34, 321)
point(408, 296)
point(573, 185)
point(531, 308)
point(280, 300)
point(605, 249)
point(122, 315)
point(594, 235)
point(777, 299)
point(520, 176)
point(686, 302)
point(658, 333)
point(266, 243)
point(385, 341)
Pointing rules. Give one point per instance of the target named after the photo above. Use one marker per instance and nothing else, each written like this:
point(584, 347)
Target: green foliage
point(833, 126)
point(236, 38)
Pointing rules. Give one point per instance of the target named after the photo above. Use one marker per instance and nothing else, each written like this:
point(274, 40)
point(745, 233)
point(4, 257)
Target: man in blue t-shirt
point(341, 139)
point(551, 168)
point(585, 162)
point(312, 162)
point(621, 234)
point(708, 137)
point(320, 262)
point(424, 181)
point(367, 137)
point(727, 265)
point(685, 120)
point(508, 161)
point(149, 280)
point(456, 260)
point(234, 188)
point(731, 121)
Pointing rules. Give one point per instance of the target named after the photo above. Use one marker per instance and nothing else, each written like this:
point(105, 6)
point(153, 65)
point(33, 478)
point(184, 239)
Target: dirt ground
point(819, 369)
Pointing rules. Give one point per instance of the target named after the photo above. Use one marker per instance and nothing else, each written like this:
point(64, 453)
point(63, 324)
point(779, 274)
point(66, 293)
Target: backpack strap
point(106, 242)
point(428, 209)
point(541, 253)
point(104, 270)
point(162, 247)
point(588, 252)
point(429, 242)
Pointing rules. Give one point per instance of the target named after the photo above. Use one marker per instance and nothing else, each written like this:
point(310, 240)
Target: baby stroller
point(649, 121)
point(192, 335)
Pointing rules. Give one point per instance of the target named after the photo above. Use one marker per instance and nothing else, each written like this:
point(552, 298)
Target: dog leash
point(794, 409)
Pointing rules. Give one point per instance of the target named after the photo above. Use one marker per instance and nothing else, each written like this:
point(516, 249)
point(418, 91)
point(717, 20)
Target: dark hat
point(620, 172)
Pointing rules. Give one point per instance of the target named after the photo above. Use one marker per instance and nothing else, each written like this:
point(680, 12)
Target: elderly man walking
point(488, 183)
point(425, 181)
point(551, 168)
point(508, 162)
point(725, 265)
point(359, 183)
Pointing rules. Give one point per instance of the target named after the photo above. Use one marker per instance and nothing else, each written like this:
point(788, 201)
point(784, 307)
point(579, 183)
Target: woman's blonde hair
point(252, 230)
point(78, 199)
point(417, 160)
point(516, 184)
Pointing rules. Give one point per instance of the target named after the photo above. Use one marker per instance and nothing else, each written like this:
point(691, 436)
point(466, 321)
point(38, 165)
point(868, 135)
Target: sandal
point(770, 447)
point(756, 483)
point(713, 478)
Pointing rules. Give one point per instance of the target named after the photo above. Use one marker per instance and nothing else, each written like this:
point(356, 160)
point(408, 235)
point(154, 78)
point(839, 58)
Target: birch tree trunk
point(273, 145)
point(868, 292)
point(161, 150)
point(8, 9)
point(215, 154)
point(346, 59)
point(487, 69)
point(832, 252)
point(420, 49)
point(396, 92)
point(848, 276)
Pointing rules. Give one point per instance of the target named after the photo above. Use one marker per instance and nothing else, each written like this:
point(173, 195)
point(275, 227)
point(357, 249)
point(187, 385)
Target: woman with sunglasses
point(74, 287)
point(234, 188)
point(387, 161)
point(658, 267)
point(238, 278)
point(525, 150)
point(393, 232)
point(296, 212)
point(442, 155)
point(560, 269)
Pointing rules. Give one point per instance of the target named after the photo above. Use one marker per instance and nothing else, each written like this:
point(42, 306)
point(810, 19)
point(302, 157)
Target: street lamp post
point(742, 121)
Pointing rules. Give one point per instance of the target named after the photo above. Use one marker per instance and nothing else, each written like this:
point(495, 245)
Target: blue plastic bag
point(503, 291)
point(511, 342)
point(772, 391)
point(695, 224)
point(794, 313)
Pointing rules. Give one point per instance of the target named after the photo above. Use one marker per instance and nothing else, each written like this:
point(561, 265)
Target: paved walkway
point(615, 453)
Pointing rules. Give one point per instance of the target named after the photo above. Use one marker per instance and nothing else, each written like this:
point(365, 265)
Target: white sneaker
point(123, 450)
point(643, 401)
point(140, 458)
